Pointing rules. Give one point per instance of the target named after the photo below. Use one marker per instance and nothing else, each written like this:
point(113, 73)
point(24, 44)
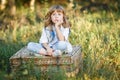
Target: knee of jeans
point(29, 45)
point(69, 50)
point(62, 45)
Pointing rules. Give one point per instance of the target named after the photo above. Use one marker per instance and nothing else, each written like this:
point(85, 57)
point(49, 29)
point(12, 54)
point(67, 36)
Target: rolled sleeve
point(65, 32)
point(43, 38)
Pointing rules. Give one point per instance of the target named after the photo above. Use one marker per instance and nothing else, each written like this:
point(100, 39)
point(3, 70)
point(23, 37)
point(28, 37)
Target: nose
point(56, 15)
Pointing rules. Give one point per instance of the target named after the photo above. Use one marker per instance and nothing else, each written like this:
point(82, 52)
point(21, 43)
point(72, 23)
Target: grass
point(98, 34)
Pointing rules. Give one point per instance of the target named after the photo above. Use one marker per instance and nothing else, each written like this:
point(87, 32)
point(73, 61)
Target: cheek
point(52, 18)
point(61, 17)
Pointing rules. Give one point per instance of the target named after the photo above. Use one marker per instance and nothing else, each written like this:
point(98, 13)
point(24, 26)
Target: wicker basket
point(71, 62)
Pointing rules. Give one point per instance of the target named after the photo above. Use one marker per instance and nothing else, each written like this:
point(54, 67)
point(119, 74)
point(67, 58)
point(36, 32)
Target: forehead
point(57, 11)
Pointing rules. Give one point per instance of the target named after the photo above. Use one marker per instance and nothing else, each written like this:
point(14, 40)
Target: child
point(54, 38)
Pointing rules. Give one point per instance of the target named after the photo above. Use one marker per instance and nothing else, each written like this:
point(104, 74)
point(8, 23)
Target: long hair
point(58, 8)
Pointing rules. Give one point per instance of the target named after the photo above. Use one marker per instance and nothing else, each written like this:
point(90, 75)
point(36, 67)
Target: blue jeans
point(60, 45)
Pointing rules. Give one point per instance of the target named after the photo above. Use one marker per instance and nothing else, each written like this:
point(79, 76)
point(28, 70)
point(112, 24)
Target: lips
point(56, 20)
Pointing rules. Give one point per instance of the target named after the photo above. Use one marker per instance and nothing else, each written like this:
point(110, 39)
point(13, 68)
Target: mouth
point(56, 20)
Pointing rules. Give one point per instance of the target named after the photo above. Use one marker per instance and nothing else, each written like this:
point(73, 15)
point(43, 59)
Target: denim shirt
point(50, 36)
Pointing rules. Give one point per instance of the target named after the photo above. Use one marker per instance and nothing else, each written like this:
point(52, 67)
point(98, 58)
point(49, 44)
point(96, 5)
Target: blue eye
point(59, 14)
point(53, 14)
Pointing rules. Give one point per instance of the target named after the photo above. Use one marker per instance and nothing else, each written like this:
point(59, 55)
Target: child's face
point(57, 17)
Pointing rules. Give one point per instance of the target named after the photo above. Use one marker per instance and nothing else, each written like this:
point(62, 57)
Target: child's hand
point(58, 23)
point(49, 51)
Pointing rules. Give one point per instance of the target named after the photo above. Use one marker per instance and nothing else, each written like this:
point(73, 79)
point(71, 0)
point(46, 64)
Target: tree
point(3, 4)
point(12, 7)
point(32, 3)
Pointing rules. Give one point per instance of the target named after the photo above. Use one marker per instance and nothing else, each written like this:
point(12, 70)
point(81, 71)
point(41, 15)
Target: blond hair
point(58, 8)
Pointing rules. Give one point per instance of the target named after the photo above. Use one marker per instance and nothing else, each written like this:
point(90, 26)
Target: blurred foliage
point(95, 26)
point(12, 11)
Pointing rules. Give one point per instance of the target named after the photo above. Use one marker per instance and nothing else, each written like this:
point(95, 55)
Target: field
point(98, 33)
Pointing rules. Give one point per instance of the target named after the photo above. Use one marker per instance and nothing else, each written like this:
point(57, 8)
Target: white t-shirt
point(50, 37)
